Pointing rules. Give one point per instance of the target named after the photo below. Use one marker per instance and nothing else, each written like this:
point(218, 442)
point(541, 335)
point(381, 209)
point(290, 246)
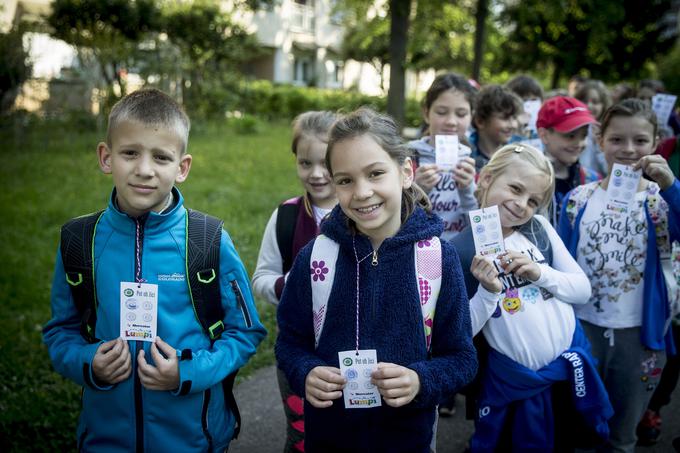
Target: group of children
point(379, 287)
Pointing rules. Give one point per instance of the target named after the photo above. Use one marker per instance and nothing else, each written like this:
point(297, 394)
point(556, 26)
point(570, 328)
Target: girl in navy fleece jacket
point(374, 303)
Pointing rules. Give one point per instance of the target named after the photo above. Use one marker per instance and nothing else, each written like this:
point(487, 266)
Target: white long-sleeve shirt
point(532, 322)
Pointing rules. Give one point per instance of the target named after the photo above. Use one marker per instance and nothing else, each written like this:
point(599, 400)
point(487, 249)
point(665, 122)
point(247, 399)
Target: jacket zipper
point(204, 419)
point(139, 406)
point(242, 303)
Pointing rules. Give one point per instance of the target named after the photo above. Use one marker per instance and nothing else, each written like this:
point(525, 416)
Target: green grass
point(49, 174)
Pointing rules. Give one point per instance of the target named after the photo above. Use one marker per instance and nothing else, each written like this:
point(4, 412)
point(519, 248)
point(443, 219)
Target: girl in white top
point(523, 304)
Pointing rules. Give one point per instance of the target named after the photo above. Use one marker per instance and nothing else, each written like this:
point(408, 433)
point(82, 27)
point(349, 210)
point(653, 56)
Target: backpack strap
point(204, 233)
point(77, 255)
point(428, 259)
point(322, 273)
point(578, 198)
point(286, 220)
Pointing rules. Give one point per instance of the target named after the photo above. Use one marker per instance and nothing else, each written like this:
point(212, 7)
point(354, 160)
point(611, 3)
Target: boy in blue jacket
point(165, 394)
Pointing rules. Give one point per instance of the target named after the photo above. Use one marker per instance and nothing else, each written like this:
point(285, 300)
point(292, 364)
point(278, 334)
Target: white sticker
point(446, 151)
point(138, 311)
point(487, 231)
point(359, 393)
point(662, 104)
point(623, 184)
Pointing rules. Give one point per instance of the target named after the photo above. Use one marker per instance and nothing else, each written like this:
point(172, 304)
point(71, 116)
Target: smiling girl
point(374, 304)
point(522, 303)
point(627, 316)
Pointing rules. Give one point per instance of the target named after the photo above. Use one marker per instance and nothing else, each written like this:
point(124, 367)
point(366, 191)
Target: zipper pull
point(374, 261)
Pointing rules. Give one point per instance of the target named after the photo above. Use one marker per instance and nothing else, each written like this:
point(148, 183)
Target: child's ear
point(184, 167)
point(485, 180)
point(424, 112)
point(104, 157)
point(543, 134)
point(407, 172)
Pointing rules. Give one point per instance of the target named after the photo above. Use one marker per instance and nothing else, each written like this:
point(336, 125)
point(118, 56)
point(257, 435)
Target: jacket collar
point(152, 220)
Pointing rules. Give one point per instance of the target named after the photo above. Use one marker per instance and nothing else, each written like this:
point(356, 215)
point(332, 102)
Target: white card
point(487, 232)
point(359, 393)
point(138, 311)
point(662, 104)
point(446, 151)
point(531, 108)
point(623, 184)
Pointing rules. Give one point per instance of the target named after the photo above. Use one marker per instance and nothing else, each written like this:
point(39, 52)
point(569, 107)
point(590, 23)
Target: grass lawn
point(50, 174)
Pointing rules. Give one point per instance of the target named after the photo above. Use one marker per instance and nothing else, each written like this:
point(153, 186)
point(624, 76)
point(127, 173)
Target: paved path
point(264, 423)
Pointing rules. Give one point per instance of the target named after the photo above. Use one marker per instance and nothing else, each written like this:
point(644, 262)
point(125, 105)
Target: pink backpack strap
point(428, 259)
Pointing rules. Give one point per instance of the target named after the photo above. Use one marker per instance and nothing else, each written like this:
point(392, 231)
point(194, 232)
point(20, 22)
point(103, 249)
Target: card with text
point(623, 184)
point(446, 151)
point(531, 108)
point(359, 393)
point(486, 231)
point(138, 311)
point(662, 104)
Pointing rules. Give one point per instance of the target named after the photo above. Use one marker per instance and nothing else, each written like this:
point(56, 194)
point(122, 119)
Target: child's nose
point(144, 166)
point(362, 191)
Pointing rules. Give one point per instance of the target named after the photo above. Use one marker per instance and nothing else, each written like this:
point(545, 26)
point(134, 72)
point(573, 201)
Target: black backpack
point(286, 221)
point(203, 265)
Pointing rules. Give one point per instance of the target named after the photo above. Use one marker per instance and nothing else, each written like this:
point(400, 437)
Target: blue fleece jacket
point(390, 322)
point(656, 313)
point(507, 381)
point(126, 416)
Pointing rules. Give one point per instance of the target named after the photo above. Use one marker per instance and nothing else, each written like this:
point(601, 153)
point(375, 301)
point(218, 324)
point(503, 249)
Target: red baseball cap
point(564, 114)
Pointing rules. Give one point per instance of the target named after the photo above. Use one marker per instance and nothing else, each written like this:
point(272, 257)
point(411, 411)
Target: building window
point(303, 70)
point(303, 15)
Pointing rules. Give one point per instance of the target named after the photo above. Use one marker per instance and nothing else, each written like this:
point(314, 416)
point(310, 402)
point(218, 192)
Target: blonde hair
point(315, 124)
point(385, 132)
point(518, 154)
point(151, 107)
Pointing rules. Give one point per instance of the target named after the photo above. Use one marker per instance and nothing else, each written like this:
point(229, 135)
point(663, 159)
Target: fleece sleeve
point(454, 361)
point(295, 351)
point(71, 355)
point(268, 275)
point(202, 368)
point(468, 201)
point(564, 278)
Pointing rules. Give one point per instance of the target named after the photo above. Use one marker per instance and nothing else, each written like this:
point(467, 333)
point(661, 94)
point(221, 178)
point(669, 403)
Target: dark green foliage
point(609, 40)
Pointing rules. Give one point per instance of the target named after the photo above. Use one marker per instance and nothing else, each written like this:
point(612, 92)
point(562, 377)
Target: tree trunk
point(557, 72)
point(399, 12)
point(480, 31)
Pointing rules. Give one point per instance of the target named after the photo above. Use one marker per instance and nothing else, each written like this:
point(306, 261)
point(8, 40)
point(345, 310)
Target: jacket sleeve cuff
point(278, 286)
point(88, 371)
point(185, 365)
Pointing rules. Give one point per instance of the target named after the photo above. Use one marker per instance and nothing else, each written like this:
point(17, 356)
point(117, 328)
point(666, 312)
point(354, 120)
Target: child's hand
point(464, 173)
point(398, 385)
point(163, 376)
point(112, 363)
point(486, 274)
point(323, 385)
point(520, 264)
point(656, 167)
point(427, 176)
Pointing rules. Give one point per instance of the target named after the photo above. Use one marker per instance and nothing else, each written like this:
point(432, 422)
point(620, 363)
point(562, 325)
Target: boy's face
point(146, 162)
point(627, 139)
point(565, 147)
point(498, 129)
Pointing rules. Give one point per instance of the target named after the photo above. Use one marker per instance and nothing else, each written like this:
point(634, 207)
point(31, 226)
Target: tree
point(480, 30)
point(369, 42)
point(610, 40)
point(399, 22)
point(105, 33)
point(15, 66)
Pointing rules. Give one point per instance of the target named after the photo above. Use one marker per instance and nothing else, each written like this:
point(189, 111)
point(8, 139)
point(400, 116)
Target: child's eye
point(462, 113)
point(342, 181)
point(163, 158)
point(515, 189)
point(442, 112)
point(642, 141)
point(129, 152)
point(304, 163)
point(376, 173)
point(533, 203)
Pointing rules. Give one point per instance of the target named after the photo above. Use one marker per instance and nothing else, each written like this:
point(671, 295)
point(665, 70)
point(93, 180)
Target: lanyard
point(358, 261)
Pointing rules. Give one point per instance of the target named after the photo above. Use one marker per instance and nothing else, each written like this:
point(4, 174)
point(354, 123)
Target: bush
point(246, 125)
point(271, 101)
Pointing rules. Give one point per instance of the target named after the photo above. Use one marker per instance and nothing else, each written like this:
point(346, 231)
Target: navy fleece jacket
point(391, 322)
